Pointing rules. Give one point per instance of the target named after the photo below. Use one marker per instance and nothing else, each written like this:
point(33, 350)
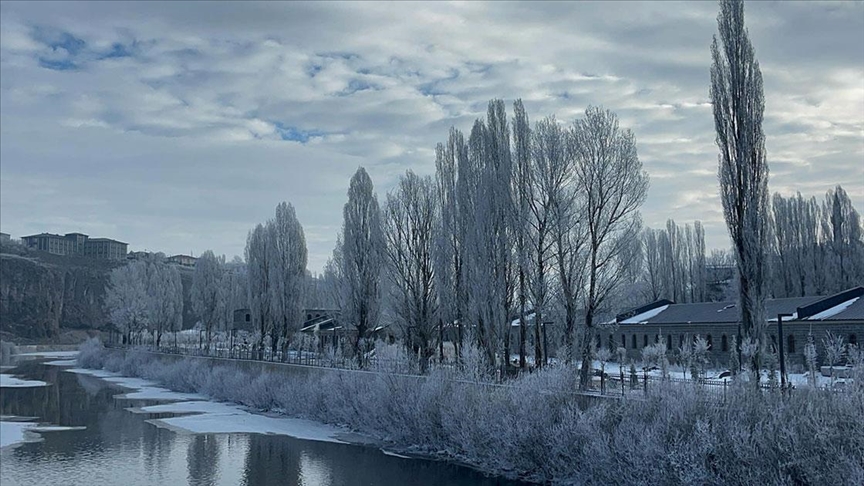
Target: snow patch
point(61, 362)
point(14, 433)
point(833, 311)
point(786, 318)
point(224, 418)
point(9, 381)
point(51, 354)
point(144, 389)
point(643, 317)
point(393, 454)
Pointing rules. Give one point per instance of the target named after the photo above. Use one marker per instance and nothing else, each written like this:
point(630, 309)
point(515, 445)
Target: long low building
point(841, 314)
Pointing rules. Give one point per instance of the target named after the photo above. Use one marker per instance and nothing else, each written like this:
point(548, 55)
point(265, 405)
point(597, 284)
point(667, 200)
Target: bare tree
point(841, 227)
point(609, 175)
point(550, 201)
point(736, 94)
point(409, 225)
point(287, 260)
point(448, 251)
point(258, 271)
point(361, 259)
point(205, 291)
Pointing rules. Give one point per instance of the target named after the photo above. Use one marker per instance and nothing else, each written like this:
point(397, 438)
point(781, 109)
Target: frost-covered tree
point(165, 299)
point(449, 249)
point(841, 227)
point(552, 226)
point(486, 206)
point(361, 259)
point(737, 98)
point(609, 176)
point(205, 291)
point(126, 299)
point(834, 350)
point(408, 227)
point(522, 185)
point(287, 274)
point(258, 274)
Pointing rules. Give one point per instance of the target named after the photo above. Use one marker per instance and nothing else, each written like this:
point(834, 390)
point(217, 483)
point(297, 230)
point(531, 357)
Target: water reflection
point(120, 447)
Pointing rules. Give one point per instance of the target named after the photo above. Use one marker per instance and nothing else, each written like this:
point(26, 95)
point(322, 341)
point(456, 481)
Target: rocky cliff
point(42, 295)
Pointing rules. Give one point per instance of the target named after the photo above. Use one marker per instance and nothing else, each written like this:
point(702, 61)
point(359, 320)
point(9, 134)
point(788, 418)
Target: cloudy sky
point(178, 126)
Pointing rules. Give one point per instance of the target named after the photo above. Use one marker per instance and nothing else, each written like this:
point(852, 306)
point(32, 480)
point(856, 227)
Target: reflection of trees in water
point(156, 447)
point(270, 460)
point(203, 460)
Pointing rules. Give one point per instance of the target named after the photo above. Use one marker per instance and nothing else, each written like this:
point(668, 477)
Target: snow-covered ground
point(208, 417)
point(9, 381)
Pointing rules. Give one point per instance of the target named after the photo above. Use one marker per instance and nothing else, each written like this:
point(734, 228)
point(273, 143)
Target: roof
point(846, 305)
point(106, 239)
point(44, 234)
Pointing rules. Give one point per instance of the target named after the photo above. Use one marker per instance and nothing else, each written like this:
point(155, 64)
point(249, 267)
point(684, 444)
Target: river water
point(118, 447)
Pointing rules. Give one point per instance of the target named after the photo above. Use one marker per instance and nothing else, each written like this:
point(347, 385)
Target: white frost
point(833, 311)
point(643, 317)
point(9, 381)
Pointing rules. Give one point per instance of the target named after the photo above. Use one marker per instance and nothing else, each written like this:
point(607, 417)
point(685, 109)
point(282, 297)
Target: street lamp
point(782, 359)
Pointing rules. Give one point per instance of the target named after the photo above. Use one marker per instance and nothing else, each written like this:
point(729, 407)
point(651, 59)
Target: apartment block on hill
point(77, 244)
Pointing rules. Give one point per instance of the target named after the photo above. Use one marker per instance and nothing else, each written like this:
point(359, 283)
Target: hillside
point(53, 298)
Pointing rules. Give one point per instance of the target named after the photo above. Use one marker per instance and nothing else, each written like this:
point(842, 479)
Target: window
point(248, 317)
point(633, 342)
point(668, 341)
point(724, 343)
point(623, 341)
point(680, 340)
point(773, 343)
point(790, 343)
point(710, 342)
point(645, 340)
point(611, 342)
point(853, 340)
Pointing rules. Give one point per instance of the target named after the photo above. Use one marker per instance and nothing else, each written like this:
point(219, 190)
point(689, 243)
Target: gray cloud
point(178, 126)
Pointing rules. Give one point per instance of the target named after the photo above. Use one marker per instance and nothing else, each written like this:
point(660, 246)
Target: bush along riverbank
point(535, 429)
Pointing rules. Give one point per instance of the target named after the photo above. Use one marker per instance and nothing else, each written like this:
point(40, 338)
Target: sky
point(177, 127)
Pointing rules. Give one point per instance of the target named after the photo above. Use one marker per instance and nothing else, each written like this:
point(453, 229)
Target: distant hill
point(55, 298)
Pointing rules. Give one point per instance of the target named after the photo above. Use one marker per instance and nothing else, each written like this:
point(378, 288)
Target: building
point(77, 244)
point(138, 255)
point(717, 322)
point(5, 237)
point(182, 260)
point(105, 249)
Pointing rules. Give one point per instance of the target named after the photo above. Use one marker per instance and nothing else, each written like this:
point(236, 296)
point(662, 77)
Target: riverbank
point(534, 429)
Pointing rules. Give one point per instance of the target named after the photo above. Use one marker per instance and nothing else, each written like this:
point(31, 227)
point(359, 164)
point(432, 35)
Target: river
point(103, 443)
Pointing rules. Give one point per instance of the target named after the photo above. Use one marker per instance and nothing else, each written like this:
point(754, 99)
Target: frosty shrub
point(834, 349)
point(655, 355)
point(91, 354)
point(537, 429)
